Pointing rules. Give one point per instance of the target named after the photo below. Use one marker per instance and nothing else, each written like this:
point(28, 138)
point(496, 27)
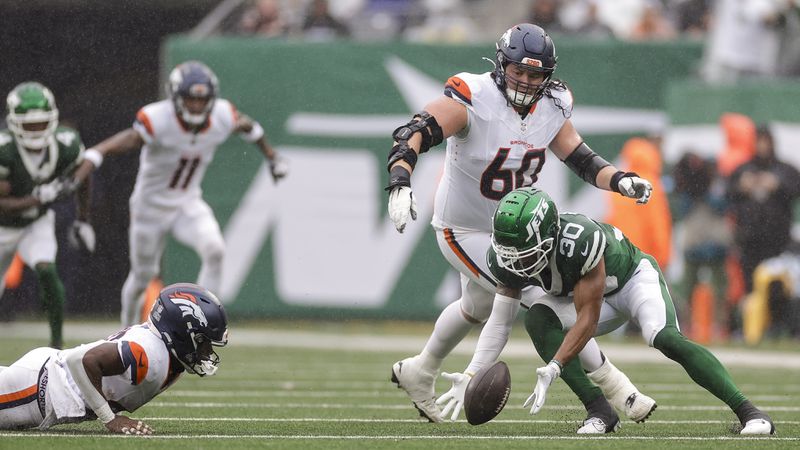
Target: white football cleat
point(418, 384)
point(596, 425)
point(638, 407)
point(621, 393)
point(758, 426)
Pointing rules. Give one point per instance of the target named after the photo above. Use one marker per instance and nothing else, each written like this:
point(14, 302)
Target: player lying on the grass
point(47, 387)
point(596, 280)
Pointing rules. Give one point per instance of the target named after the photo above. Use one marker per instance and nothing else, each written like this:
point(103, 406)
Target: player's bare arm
point(253, 132)
point(88, 369)
point(569, 147)
point(588, 299)
point(84, 196)
point(122, 142)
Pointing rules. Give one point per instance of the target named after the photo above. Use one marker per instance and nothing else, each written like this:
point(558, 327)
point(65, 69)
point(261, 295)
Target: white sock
point(616, 386)
point(451, 327)
point(591, 357)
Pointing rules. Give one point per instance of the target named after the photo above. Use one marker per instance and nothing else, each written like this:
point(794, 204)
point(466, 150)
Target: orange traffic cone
point(14, 273)
point(702, 313)
point(150, 295)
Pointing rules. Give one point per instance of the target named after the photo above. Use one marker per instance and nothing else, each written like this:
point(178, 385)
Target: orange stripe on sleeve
point(19, 395)
point(142, 363)
point(458, 85)
point(235, 113)
point(451, 241)
point(144, 120)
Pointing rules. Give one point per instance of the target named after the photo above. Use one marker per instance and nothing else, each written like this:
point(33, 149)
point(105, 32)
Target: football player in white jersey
point(178, 137)
point(498, 127)
point(48, 387)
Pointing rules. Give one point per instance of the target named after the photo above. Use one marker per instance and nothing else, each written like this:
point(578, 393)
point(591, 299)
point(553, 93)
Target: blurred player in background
point(48, 387)
point(596, 280)
point(178, 137)
point(37, 157)
point(498, 126)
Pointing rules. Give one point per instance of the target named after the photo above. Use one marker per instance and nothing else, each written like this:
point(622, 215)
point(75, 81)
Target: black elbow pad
point(586, 163)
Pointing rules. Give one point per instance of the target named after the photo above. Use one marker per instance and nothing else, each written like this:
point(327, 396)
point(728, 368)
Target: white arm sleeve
point(94, 399)
point(256, 133)
point(494, 336)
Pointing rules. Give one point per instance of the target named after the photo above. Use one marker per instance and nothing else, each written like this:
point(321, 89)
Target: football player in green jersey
point(595, 280)
point(36, 157)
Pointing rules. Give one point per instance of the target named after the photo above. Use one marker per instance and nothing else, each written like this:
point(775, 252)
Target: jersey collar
point(40, 170)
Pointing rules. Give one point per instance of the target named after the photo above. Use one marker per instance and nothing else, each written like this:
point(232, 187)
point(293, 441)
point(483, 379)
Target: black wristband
point(614, 184)
point(401, 152)
point(398, 176)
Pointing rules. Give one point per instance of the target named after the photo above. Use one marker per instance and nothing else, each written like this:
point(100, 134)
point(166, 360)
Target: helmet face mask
point(525, 228)
point(191, 322)
point(521, 93)
point(189, 82)
point(528, 47)
point(524, 263)
point(32, 115)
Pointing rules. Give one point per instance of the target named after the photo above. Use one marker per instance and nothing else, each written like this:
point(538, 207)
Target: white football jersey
point(174, 159)
point(496, 153)
point(147, 373)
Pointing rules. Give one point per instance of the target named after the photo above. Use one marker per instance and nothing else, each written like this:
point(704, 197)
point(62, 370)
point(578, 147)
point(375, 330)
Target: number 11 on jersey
point(188, 165)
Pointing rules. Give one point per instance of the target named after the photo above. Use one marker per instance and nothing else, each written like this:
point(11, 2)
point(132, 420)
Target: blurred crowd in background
point(744, 37)
point(733, 217)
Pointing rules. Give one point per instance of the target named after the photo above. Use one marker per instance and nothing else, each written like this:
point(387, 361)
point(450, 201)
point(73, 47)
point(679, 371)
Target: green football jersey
point(580, 245)
point(24, 171)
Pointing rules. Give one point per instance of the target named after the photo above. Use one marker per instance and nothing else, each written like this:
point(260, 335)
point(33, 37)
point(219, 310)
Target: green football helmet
point(32, 114)
point(524, 231)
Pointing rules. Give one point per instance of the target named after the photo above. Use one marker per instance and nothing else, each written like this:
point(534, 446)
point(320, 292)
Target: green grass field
point(275, 393)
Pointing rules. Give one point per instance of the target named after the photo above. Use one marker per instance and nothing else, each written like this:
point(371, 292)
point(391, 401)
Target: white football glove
point(278, 167)
point(635, 187)
point(81, 236)
point(402, 205)
point(455, 396)
point(48, 193)
point(545, 377)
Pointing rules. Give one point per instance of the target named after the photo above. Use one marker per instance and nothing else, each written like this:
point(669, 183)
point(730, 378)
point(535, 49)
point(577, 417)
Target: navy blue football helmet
point(192, 79)
point(191, 321)
point(529, 47)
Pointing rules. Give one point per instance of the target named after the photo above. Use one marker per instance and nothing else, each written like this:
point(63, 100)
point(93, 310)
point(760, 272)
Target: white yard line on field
point(314, 405)
point(404, 438)
point(359, 420)
point(309, 339)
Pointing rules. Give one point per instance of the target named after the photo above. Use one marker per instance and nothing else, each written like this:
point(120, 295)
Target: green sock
point(701, 365)
point(547, 334)
point(51, 293)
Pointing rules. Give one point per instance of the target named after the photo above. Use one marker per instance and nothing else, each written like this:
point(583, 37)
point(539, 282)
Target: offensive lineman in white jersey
point(498, 126)
point(47, 387)
point(178, 137)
